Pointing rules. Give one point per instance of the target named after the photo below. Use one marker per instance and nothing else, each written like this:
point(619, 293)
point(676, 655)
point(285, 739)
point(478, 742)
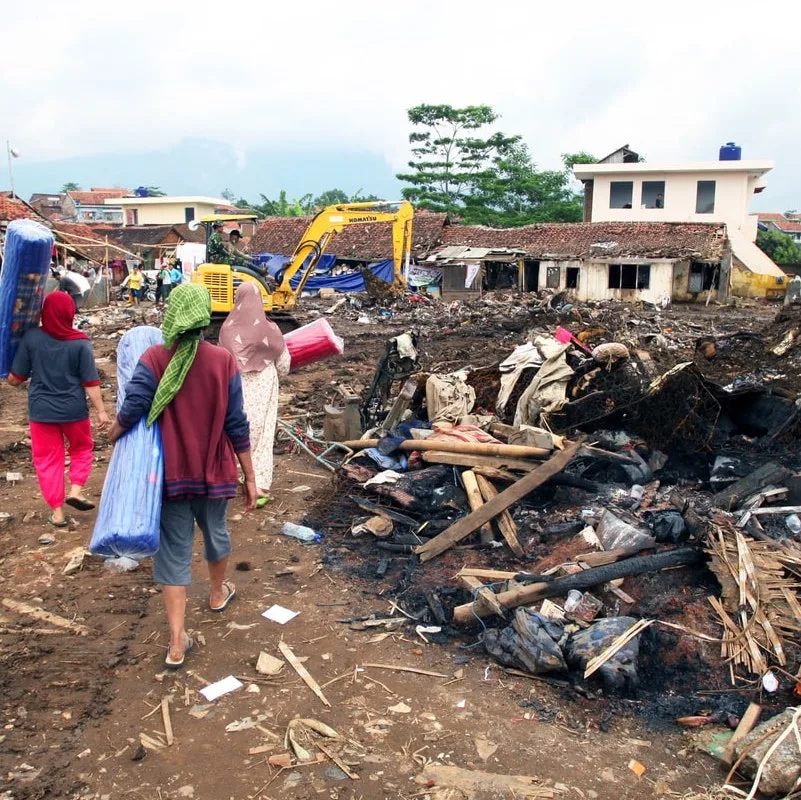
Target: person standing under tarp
point(75, 285)
point(59, 362)
point(194, 390)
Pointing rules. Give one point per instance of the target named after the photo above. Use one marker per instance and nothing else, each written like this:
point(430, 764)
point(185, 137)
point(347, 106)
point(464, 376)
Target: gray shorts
point(172, 564)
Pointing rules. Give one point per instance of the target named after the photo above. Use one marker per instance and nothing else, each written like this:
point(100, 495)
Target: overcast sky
point(96, 95)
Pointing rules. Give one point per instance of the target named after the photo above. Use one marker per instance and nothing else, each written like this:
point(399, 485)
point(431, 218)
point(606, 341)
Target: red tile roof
point(786, 224)
point(360, 242)
point(14, 208)
point(97, 197)
point(562, 241)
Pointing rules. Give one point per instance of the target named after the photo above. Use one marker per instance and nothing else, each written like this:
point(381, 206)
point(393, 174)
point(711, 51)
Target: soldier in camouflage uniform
point(216, 251)
point(238, 257)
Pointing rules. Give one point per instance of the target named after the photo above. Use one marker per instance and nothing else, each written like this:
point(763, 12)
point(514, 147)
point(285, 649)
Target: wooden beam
point(466, 460)
point(475, 500)
point(470, 448)
point(506, 525)
point(517, 491)
point(483, 596)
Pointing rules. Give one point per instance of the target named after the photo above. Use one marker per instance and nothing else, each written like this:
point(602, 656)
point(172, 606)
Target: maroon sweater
point(202, 428)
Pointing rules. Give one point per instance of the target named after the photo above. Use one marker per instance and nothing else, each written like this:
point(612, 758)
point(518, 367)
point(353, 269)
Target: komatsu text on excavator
point(222, 280)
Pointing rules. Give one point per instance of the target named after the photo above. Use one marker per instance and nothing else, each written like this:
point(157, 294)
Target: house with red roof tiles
point(93, 206)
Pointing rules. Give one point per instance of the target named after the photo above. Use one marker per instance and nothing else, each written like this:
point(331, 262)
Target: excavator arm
point(331, 221)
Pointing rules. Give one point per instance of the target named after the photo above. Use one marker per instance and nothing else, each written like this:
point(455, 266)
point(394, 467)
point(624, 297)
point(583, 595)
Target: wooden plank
point(517, 491)
point(487, 574)
point(451, 446)
point(287, 653)
point(399, 668)
point(482, 595)
point(338, 761)
point(506, 525)
point(466, 460)
point(44, 616)
point(496, 474)
point(165, 716)
point(777, 510)
point(747, 722)
point(475, 500)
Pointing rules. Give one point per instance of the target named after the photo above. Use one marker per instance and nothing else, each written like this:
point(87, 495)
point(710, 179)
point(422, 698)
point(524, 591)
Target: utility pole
point(11, 154)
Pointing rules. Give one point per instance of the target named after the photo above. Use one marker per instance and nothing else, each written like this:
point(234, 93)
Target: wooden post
point(475, 500)
point(506, 525)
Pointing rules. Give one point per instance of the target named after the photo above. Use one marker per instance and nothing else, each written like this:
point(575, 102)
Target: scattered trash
point(280, 614)
point(220, 688)
point(268, 665)
point(301, 532)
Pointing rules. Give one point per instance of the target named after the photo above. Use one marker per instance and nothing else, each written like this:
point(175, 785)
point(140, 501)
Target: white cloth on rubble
point(523, 356)
point(405, 347)
point(448, 397)
point(546, 392)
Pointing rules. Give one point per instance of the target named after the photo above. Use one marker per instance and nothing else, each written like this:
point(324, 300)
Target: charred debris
point(614, 505)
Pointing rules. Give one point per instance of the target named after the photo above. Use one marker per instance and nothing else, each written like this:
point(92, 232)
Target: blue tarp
point(349, 282)
point(275, 263)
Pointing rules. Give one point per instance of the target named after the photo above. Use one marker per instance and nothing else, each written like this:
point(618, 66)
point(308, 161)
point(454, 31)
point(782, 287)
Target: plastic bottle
point(301, 532)
point(793, 522)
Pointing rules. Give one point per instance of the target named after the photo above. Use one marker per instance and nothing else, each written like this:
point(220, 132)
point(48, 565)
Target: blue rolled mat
point(26, 264)
point(130, 506)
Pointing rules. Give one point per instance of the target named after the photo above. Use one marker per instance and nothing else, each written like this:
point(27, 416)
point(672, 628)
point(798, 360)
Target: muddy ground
point(72, 707)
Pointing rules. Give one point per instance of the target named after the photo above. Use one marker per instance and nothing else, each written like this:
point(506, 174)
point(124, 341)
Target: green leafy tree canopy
point(70, 186)
point(449, 159)
point(779, 246)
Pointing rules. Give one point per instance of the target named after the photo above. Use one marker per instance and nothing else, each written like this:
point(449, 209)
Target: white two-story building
point(621, 188)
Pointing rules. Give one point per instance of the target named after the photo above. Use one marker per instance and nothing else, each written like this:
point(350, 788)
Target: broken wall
point(593, 280)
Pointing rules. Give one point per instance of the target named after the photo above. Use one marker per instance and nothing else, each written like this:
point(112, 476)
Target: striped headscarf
point(188, 313)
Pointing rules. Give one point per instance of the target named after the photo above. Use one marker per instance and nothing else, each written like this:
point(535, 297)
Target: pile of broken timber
point(759, 609)
point(486, 462)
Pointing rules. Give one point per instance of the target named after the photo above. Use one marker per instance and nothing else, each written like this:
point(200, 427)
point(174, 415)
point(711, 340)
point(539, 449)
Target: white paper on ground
point(280, 614)
point(215, 690)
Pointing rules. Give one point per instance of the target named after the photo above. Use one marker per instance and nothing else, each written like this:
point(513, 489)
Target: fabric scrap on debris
point(448, 397)
point(546, 392)
point(522, 357)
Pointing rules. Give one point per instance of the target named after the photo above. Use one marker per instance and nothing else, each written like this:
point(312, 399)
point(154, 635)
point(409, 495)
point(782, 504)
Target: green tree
point(449, 160)
point(779, 246)
point(155, 191)
point(70, 186)
point(514, 192)
point(571, 159)
point(331, 197)
point(228, 195)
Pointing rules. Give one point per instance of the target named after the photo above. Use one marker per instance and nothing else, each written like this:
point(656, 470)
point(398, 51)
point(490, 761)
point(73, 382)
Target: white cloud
point(674, 80)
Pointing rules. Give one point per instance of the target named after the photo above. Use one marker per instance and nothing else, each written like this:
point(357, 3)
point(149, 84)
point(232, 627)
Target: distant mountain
point(204, 167)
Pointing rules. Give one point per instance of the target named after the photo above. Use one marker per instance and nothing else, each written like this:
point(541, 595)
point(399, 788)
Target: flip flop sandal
point(63, 524)
point(170, 664)
point(81, 503)
point(229, 597)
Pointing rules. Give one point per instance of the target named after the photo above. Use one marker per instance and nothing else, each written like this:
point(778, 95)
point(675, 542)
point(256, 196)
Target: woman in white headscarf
point(258, 347)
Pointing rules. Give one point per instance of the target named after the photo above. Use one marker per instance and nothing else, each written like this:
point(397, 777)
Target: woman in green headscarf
point(194, 390)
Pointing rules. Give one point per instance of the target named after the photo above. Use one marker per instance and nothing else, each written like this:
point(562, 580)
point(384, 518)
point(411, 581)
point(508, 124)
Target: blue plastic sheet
point(275, 263)
point(130, 506)
point(348, 282)
point(26, 265)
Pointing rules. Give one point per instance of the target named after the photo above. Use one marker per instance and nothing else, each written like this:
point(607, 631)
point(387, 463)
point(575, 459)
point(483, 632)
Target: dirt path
point(73, 708)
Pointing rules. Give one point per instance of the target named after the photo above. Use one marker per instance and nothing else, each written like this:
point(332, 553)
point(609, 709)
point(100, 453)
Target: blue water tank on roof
point(141, 191)
point(731, 152)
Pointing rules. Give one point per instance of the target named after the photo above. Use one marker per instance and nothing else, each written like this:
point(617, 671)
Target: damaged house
point(592, 261)
point(709, 192)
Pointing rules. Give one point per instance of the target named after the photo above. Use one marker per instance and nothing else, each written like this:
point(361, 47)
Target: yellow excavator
point(222, 280)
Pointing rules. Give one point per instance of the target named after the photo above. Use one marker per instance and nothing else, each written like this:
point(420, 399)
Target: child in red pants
point(59, 362)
